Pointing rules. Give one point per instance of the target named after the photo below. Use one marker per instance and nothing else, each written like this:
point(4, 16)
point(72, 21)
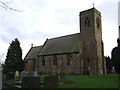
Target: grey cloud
point(4, 38)
point(10, 34)
point(66, 16)
point(109, 10)
point(39, 35)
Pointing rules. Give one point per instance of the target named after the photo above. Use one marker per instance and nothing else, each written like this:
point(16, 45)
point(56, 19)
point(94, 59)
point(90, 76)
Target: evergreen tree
point(14, 60)
point(108, 64)
point(116, 57)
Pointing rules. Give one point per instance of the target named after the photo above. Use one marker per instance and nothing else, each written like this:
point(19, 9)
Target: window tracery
point(69, 58)
point(87, 22)
point(43, 61)
point(98, 22)
point(54, 60)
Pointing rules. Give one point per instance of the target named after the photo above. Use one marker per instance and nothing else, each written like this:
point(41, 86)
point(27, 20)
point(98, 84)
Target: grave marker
point(50, 81)
point(17, 73)
point(35, 73)
point(62, 75)
point(23, 74)
point(10, 76)
point(32, 73)
point(31, 82)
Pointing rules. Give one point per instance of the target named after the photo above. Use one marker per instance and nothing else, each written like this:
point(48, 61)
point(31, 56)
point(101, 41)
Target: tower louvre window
point(87, 22)
point(98, 23)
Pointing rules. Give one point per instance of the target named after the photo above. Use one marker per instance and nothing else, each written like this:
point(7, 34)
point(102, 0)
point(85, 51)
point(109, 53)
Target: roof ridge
point(43, 46)
point(31, 50)
point(57, 45)
point(63, 36)
point(37, 46)
point(28, 53)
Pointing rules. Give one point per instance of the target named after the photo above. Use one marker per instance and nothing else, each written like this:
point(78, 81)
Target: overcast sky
point(42, 19)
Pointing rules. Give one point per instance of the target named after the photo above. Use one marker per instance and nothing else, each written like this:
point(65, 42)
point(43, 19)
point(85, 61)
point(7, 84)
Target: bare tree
point(6, 7)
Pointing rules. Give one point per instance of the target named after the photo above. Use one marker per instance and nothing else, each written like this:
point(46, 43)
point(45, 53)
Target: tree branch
point(9, 2)
point(6, 7)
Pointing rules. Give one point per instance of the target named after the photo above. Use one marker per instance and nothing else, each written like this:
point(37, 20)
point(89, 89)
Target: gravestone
point(50, 81)
point(32, 73)
point(1, 77)
point(10, 76)
point(23, 74)
point(35, 73)
point(31, 82)
point(17, 73)
point(62, 75)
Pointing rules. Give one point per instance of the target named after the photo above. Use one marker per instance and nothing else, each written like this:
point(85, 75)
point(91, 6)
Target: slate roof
point(33, 52)
point(59, 45)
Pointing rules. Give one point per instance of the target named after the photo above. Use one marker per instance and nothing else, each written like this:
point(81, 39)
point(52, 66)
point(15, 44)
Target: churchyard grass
point(97, 81)
point(84, 81)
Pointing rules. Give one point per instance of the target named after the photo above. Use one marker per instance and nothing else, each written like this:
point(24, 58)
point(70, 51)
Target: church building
point(80, 53)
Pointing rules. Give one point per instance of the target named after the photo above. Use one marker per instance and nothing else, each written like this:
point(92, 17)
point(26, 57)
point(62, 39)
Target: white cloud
point(110, 35)
point(119, 13)
point(3, 50)
point(43, 19)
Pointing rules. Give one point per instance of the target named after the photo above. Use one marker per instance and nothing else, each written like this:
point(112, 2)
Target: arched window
point(54, 60)
point(98, 23)
point(87, 22)
point(43, 61)
point(69, 59)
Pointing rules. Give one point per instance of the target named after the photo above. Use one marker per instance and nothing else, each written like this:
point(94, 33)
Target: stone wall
point(73, 66)
point(91, 35)
point(30, 66)
point(89, 60)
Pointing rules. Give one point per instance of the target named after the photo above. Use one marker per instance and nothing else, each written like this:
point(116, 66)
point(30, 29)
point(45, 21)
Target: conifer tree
point(116, 57)
point(14, 60)
point(108, 64)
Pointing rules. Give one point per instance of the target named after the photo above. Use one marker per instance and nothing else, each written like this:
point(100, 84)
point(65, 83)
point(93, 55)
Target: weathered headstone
point(0, 77)
point(50, 81)
point(17, 73)
point(31, 82)
point(62, 75)
point(32, 73)
point(10, 76)
point(35, 73)
point(23, 74)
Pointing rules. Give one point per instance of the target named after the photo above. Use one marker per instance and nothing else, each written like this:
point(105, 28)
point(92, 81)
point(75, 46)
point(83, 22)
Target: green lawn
point(98, 81)
point(83, 81)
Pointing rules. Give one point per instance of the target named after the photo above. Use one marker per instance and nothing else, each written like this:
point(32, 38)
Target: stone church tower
point(91, 35)
point(81, 53)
